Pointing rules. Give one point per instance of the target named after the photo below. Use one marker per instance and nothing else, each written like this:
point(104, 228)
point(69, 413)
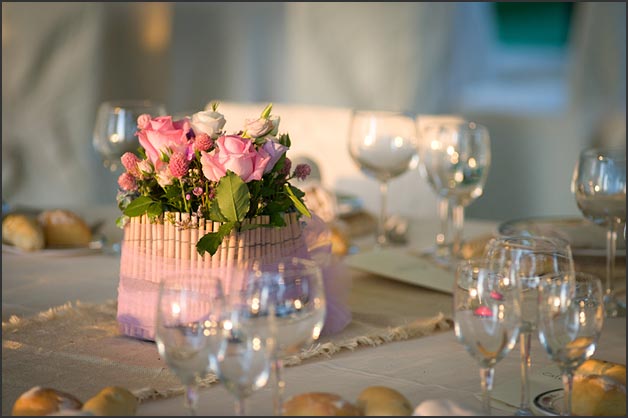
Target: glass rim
point(516, 239)
point(614, 153)
point(145, 103)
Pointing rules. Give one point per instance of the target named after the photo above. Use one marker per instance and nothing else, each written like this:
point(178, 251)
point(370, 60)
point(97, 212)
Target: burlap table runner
point(78, 348)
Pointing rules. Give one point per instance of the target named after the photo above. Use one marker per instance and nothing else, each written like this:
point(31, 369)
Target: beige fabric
point(77, 347)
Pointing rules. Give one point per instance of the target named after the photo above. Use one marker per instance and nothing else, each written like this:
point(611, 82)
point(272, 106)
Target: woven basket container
point(151, 249)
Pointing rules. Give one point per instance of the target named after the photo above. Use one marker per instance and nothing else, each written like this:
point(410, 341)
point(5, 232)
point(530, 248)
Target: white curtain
point(61, 59)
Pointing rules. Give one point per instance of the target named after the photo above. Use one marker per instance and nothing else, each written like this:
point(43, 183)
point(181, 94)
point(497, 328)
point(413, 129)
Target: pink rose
point(143, 120)
point(163, 136)
point(275, 150)
point(236, 154)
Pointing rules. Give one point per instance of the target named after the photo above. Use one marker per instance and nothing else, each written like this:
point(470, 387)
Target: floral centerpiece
point(193, 166)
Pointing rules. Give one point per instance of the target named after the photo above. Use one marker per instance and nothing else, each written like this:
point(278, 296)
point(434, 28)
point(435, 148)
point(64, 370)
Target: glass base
point(523, 412)
point(614, 307)
point(444, 257)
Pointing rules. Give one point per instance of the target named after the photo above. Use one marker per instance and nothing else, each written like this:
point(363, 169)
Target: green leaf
point(284, 139)
point(215, 214)
point(248, 227)
point(277, 220)
point(154, 209)
point(139, 206)
point(233, 197)
point(212, 240)
point(298, 203)
point(266, 112)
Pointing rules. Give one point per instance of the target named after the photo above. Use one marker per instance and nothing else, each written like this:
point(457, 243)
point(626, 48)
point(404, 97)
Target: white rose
point(209, 122)
point(275, 121)
point(257, 128)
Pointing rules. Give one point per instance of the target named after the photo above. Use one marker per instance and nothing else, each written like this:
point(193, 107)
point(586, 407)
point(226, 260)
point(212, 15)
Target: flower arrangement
point(193, 166)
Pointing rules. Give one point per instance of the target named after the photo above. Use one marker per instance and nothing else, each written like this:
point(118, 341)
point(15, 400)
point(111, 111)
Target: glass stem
point(525, 341)
point(458, 225)
point(280, 385)
point(486, 378)
point(191, 398)
point(381, 225)
point(568, 386)
point(611, 251)
point(240, 407)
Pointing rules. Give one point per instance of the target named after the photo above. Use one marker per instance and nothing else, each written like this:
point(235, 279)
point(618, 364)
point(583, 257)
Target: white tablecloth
point(431, 367)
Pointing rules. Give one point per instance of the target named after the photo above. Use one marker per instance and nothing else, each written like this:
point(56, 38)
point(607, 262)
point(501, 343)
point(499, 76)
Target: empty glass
point(528, 260)
point(455, 158)
point(188, 307)
point(116, 125)
point(599, 186)
point(243, 360)
point(383, 145)
point(571, 316)
point(298, 297)
point(487, 316)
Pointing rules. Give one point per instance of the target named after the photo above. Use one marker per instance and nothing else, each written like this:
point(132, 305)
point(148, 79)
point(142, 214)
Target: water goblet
point(243, 360)
point(297, 293)
point(116, 125)
point(571, 317)
point(188, 306)
point(487, 318)
point(599, 186)
point(455, 157)
point(528, 260)
point(383, 145)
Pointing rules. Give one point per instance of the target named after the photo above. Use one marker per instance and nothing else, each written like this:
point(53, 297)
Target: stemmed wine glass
point(247, 325)
point(487, 317)
point(383, 145)
point(528, 260)
point(297, 294)
point(115, 127)
point(571, 316)
point(455, 159)
point(599, 186)
point(188, 307)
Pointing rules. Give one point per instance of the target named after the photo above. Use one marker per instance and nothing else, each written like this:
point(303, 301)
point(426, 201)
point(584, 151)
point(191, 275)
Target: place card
point(402, 264)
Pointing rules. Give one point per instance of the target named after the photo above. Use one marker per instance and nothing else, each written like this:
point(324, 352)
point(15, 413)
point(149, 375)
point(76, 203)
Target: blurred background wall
point(547, 79)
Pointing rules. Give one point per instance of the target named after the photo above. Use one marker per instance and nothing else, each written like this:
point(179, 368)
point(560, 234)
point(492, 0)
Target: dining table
point(58, 321)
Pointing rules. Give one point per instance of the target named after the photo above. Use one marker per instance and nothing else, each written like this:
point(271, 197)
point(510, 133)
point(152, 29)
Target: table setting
point(212, 287)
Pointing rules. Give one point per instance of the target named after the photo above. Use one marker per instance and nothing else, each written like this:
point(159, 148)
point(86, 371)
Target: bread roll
point(599, 389)
point(64, 228)
point(112, 401)
point(40, 401)
point(22, 232)
point(383, 401)
point(319, 404)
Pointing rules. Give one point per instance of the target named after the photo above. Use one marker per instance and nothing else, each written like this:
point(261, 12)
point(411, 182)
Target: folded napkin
point(445, 407)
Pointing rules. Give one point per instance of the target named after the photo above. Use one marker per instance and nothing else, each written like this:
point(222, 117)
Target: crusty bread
point(383, 401)
point(112, 401)
point(22, 232)
point(39, 401)
point(599, 389)
point(319, 404)
point(64, 229)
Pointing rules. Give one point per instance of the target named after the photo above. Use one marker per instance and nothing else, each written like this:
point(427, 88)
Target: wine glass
point(383, 145)
point(455, 159)
point(297, 294)
point(487, 317)
point(571, 316)
point(599, 186)
point(116, 125)
point(528, 260)
point(243, 360)
point(188, 307)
